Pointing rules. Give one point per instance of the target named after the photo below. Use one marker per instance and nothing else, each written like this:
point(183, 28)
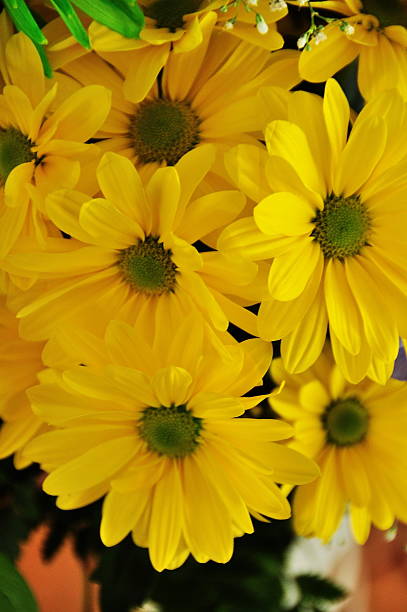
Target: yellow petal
point(290, 272)
point(327, 58)
point(119, 514)
point(380, 329)
point(366, 142)
point(208, 525)
point(11, 224)
point(171, 386)
point(245, 237)
point(304, 344)
point(210, 212)
point(214, 406)
point(336, 115)
point(353, 367)
point(81, 115)
point(287, 140)
point(182, 68)
point(106, 223)
point(343, 313)
point(120, 183)
point(93, 467)
point(314, 397)
point(355, 480)
point(20, 108)
point(24, 67)
point(328, 495)
point(143, 71)
point(277, 319)
point(63, 208)
point(246, 165)
point(166, 521)
point(284, 213)
point(163, 193)
point(133, 383)
point(360, 523)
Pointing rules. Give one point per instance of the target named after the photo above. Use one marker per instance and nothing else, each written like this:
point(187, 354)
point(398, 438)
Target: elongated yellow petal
point(287, 140)
point(166, 523)
point(328, 57)
point(290, 272)
point(108, 225)
point(343, 313)
point(119, 515)
point(284, 213)
point(93, 467)
point(171, 386)
point(367, 142)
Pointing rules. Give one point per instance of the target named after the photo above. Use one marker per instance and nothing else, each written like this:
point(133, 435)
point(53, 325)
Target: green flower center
point(163, 131)
point(170, 431)
point(346, 421)
point(148, 267)
point(342, 228)
point(15, 149)
point(170, 13)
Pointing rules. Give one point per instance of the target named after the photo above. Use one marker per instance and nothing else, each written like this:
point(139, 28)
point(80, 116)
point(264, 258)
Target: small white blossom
point(262, 26)
point(252, 2)
point(229, 25)
point(301, 42)
point(349, 29)
point(320, 37)
point(277, 5)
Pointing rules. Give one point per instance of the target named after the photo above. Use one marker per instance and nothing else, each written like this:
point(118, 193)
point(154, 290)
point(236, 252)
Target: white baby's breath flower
point(261, 25)
point(320, 37)
point(277, 5)
point(349, 29)
point(301, 42)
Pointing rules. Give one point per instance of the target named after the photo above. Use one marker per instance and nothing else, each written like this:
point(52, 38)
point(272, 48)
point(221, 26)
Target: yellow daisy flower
point(335, 226)
point(382, 51)
point(134, 256)
point(180, 25)
point(356, 434)
point(41, 150)
point(205, 95)
point(155, 432)
point(20, 365)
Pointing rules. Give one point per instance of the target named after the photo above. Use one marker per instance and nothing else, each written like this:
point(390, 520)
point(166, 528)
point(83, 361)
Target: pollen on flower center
point(346, 421)
point(342, 228)
point(15, 149)
point(148, 267)
point(164, 130)
point(171, 14)
point(171, 431)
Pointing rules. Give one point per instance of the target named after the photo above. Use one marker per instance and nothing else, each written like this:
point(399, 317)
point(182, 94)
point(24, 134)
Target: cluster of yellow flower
point(142, 213)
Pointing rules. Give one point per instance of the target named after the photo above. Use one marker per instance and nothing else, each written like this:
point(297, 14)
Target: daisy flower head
point(20, 367)
point(356, 435)
point(133, 253)
point(155, 432)
point(332, 230)
point(180, 26)
point(42, 145)
point(381, 48)
point(205, 95)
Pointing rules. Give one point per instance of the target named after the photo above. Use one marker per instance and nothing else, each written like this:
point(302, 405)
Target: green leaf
point(45, 63)
point(24, 21)
point(123, 16)
point(72, 21)
point(15, 596)
point(317, 590)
